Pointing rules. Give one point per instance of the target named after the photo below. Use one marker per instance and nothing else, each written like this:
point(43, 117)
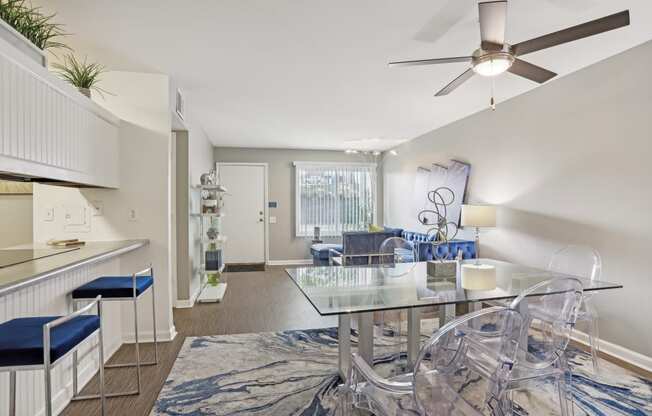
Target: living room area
point(253, 207)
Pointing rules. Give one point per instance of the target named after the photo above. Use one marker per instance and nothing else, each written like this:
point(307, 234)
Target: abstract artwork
point(454, 176)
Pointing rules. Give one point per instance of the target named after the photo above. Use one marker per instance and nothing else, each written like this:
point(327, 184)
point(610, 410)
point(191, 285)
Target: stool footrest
point(107, 395)
point(123, 365)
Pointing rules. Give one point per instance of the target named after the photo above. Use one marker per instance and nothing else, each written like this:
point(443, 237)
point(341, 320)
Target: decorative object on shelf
point(478, 216)
point(80, 74)
point(209, 178)
point(212, 233)
point(29, 30)
point(478, 276)
point(213, 259)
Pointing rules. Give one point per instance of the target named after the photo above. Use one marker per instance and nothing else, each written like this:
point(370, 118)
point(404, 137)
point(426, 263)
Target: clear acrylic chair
point(585, 262)
point(397, 256)
point(396, 250)
point(457, 372)
point(549, 310)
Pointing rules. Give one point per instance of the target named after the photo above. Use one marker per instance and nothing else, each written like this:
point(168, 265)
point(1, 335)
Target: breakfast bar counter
point(19, 276)
point(38, 280)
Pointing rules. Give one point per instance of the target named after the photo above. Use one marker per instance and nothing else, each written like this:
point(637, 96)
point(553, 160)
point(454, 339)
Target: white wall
point(141, 101)
point(568, 162)
point(15, 219)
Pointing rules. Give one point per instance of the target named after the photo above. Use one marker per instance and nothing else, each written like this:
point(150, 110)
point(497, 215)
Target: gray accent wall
point(283, 245)
point(568, 163)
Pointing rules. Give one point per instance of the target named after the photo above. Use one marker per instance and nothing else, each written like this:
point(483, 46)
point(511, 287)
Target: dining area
point(467, 336)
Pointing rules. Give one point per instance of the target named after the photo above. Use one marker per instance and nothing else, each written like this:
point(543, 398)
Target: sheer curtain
point(336, 197)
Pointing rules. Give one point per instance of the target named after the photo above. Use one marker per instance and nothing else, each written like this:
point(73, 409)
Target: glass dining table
point(359, 291)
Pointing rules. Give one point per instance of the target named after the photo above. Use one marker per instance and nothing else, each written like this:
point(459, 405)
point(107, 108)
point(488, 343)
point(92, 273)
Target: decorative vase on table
point(85, 91)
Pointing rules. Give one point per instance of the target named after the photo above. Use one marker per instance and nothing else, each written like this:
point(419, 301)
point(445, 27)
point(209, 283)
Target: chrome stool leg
point(154, 330)
point(12, 393)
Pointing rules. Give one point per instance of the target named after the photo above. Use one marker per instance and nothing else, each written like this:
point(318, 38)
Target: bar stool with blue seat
point(119, 289)
point(35, 343)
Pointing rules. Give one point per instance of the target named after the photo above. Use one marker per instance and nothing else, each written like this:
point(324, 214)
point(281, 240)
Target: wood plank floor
point(254, 302)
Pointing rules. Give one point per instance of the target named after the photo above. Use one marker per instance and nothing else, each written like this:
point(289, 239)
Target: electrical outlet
point(97, 208)
point(132, 214)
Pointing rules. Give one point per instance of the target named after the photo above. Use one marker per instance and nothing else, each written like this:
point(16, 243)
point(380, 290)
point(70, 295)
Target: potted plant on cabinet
point(80, 74)
point(29, 30)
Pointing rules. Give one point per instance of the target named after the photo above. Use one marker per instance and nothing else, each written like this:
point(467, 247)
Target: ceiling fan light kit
point(490, 64)
point(495, 56)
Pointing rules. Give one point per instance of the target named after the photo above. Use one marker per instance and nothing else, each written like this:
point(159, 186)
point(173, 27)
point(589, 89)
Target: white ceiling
point(313, 74)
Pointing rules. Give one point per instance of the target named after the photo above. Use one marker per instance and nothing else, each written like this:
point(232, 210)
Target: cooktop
point(12, 257)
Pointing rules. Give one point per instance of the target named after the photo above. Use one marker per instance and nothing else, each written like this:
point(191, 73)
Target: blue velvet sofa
point(358, 247)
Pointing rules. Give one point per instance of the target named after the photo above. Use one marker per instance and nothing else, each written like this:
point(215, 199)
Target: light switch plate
point(132, 214)
point(272, 220)
point(77, 218)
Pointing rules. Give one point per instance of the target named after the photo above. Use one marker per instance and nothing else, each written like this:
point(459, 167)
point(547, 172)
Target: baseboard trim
point(187, 303)
point(617, 351)
point(289, 262)
point(148, 336)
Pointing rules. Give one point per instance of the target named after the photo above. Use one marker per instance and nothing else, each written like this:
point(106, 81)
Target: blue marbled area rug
point(295, 373)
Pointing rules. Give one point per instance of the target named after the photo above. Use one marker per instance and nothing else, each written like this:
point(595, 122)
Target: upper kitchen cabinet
point(49, 130)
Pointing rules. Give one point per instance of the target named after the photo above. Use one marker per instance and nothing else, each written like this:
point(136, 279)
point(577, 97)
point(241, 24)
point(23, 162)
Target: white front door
point(244, 205)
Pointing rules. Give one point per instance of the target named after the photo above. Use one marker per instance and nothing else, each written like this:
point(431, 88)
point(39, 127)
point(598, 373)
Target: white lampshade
point(478, 216)
point(478, 277)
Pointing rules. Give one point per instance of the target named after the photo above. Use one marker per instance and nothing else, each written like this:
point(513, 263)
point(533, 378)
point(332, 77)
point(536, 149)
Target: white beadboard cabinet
point(49, 130)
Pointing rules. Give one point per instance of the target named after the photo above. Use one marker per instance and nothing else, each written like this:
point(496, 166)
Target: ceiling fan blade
point(493, 16)
point(432, 61)
point(570, 34)
point(530, 71)
point(456, 82)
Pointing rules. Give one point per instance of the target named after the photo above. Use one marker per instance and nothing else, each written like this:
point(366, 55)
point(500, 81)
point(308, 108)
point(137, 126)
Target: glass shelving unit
point(211, 242)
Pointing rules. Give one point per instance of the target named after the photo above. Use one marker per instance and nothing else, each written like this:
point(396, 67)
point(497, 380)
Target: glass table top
point(335, 290)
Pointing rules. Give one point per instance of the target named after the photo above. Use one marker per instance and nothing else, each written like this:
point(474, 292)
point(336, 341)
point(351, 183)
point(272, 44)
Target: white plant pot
point(20, 42)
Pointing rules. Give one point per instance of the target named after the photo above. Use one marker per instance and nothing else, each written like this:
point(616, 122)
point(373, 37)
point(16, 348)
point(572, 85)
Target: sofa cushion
point(397, 232)
point(21, 339)
point(417, 237)
point(321, 250)
point(113, 287)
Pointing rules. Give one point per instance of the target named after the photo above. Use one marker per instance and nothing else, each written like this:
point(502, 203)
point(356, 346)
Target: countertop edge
point(37, 278)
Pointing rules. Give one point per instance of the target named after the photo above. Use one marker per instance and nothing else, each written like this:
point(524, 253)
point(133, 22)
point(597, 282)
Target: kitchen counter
point(22, 275)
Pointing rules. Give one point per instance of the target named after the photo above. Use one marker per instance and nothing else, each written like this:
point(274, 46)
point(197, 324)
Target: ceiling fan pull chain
point(492, 102)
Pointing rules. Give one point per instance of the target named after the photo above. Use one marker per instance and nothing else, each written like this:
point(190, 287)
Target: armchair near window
point(359, 248)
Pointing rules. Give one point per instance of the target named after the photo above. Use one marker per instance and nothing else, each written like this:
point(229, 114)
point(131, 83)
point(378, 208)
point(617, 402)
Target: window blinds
point(336, 197)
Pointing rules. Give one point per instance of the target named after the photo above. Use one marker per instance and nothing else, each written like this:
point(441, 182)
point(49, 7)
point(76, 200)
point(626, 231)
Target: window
point(335, 197)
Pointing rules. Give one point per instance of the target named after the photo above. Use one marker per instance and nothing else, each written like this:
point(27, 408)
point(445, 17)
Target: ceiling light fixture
point(493, 63)
point(393, 152)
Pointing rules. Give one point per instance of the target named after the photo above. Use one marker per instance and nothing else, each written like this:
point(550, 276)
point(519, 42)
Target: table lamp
point(478, 216)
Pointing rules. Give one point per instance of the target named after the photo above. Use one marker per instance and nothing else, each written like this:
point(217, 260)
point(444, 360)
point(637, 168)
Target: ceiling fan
point(495, 56)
